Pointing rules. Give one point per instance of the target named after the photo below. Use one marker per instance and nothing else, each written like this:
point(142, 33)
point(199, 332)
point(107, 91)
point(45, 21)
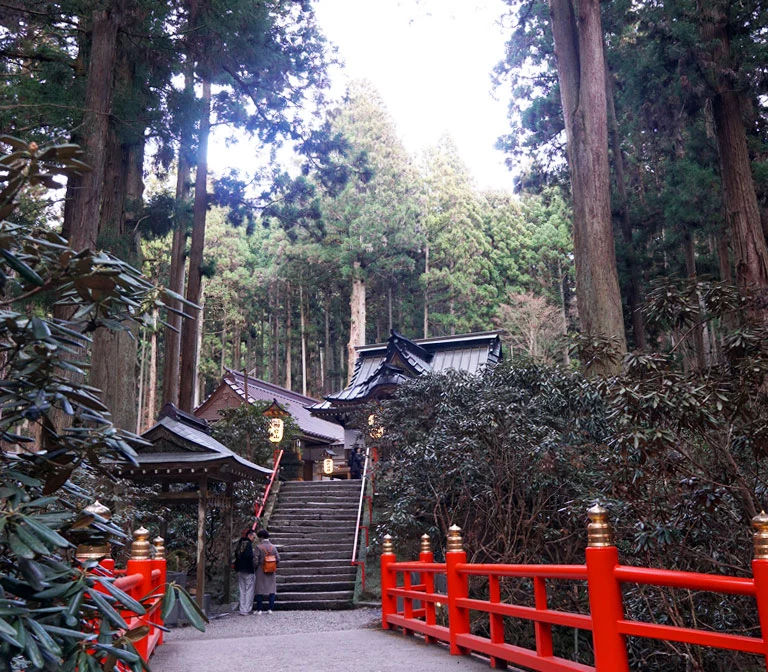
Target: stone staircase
point(313, 527)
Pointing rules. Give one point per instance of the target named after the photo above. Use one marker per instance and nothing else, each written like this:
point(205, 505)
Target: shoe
point(258, 613)
point(270, 611)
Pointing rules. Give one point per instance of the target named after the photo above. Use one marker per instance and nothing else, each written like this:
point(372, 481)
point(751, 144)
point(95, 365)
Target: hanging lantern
point(276, 426)
point(374, 431)
point(275, 413)
point(328, 465)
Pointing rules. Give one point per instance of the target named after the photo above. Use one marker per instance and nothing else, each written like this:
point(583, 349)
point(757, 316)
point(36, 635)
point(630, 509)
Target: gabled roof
point(296, 404)
point(382, 367)
point(180, 445)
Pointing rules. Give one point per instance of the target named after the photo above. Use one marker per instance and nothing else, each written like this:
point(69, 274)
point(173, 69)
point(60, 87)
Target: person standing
point(244, 566)
point(355, 463)
point(266, 560)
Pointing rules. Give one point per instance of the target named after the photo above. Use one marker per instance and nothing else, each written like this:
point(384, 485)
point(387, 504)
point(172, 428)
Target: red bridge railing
point(412, 586)
point(144, 580)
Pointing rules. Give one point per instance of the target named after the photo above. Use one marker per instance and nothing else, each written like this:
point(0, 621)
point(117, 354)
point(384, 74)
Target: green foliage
point(54, 427)
point(515, 456)
point(244, 429)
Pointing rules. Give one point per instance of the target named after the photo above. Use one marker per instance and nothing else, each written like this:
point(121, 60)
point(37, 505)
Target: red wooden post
point(159, 563)
point(605, 600)
point(428, 579)
point(543, 630)
point(497, 621)
point(458, 588)
point(407, 601)
point(140, 563)
point(760, 574)
point(388, 581)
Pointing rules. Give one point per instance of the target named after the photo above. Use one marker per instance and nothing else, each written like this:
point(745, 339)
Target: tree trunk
point(633, 270)
point(84, 192)
point(697, 335)
point(172, 355)
point(328, 364)
point(581, 72)
point(189, 348)
point(303, 342)
point(151, 403)
point(357, 318)
point(288, 334)
point(426, 291)
point(114, 353)
point(563, 313)
point(742, 211)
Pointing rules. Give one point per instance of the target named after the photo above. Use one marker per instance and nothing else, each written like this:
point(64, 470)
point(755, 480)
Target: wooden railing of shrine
point(412, 585)
point(144, 580)
point(260, 504)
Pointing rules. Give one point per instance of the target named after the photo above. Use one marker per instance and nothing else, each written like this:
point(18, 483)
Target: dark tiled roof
point(381, 367)
point(293, 402)
point(191, 444)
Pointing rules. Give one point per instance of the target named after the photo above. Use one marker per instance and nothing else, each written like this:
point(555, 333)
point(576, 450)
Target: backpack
point(269, 560)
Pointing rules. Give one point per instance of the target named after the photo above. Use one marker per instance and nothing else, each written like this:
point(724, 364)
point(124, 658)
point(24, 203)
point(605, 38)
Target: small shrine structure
point(181, 451)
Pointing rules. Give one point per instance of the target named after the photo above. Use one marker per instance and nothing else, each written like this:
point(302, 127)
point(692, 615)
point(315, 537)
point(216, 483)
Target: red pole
point(605, 601)
point(388, 582)
point(496, 621)
point(458, 588)
point(760, 574)
point(428, 579)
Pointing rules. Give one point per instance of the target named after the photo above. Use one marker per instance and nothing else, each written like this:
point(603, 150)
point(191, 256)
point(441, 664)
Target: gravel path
point(224, 626)
point(304, 641)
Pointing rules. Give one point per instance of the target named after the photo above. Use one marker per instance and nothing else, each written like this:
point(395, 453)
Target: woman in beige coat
point(266, 584)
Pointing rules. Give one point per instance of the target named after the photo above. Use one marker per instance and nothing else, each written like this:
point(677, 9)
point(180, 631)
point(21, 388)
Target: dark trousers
point(260, 602)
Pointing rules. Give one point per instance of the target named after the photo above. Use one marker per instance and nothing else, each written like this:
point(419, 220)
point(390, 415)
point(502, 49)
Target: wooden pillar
point(228, 505)
point(202, 506)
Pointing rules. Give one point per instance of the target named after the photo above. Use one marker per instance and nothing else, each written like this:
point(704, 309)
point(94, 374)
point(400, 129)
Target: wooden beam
point(228, 551)
point(202, 505)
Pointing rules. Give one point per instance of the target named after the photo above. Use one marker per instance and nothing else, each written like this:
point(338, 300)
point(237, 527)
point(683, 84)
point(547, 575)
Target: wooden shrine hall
point(182, 452)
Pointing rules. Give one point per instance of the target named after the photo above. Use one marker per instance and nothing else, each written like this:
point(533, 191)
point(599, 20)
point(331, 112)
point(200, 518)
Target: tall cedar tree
point(581, 70)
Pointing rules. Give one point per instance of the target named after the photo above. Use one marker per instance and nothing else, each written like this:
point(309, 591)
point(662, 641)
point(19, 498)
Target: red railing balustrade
point(603, 576)
point(144, 580)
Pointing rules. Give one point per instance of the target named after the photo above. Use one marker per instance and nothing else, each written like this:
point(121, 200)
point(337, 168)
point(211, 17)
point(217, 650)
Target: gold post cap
point(98, 509)
point(159, 544)
point(599, 532)
point(387, 546)
point(140, 545)
point(455, 540)
point(87, 552)
point(426, 544)
point(760, 535)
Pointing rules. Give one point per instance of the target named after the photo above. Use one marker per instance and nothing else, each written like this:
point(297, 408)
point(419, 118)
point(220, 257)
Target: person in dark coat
point(266, 584)
point(355, 463)
point(245, 570)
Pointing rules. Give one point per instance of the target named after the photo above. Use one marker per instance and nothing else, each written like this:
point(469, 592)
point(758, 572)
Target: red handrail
point(258, 508)
point(412, 585)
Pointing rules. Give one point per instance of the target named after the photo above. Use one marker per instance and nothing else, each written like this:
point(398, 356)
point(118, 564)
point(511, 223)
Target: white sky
point(431, 61)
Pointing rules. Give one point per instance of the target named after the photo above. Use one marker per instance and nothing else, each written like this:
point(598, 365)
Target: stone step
point(320, 490)
point(282, 523)
point(332, 554)
point(313, 535)
point(303, 548)
point(345, 571)
point(319, 497)
point(316, 586)
point(314, 514)
point(315, 605)
point(309, 564)
point(318, 597)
